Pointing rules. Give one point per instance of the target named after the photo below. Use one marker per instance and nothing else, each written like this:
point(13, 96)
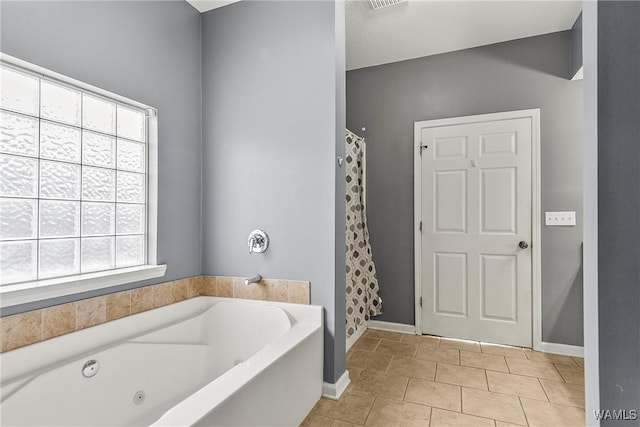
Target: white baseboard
point(390, 326)
point(334, 391)
point(565, 349)
point(356, 335)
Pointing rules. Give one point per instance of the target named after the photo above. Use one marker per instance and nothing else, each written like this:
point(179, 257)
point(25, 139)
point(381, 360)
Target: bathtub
point(205, 361)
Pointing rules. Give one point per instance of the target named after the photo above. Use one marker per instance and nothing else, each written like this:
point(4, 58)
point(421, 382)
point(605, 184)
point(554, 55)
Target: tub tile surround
point(453, 383)
point(27, 328)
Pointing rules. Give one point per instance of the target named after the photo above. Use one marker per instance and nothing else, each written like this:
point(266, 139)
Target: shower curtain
point(361, 288)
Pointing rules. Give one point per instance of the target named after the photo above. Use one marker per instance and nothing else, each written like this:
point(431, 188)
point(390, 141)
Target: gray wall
point(576, 47)
point(272, 101)
point(149, 52)
point(521, 74)
point(619, 206)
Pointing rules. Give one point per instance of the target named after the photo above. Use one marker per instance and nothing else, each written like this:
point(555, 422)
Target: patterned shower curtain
point(362, 289)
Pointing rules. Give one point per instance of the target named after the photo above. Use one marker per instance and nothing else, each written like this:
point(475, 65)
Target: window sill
point(23, 293)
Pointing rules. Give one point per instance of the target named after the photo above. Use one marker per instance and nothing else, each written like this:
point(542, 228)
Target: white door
point(476, 230)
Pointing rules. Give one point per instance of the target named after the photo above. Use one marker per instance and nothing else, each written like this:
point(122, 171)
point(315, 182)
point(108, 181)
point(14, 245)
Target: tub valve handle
point(258, 241)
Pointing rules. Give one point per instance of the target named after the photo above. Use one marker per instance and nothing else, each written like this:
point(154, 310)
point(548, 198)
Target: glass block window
point(73, 183)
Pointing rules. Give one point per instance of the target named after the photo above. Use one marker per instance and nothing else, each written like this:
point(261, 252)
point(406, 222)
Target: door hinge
point(422, 148)
point(421, 226)
point(420, 301)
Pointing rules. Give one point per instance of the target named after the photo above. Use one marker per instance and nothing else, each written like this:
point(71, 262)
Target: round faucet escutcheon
point(258, 241)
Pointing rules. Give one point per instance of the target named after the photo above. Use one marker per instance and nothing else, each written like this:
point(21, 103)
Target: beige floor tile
point(461, 375)
point(354, 374)
point(387, 335)
point(503, 424)
point(365, 344)
point(426, 340)
point(442, 418)
point(314, 420)
point(564, 393)
point(517, 385)
point(352, 407)
point(380, 384)
point(465, 345)
point(533, 369)
point(445, 355)
point(368, 360)
point(493, 362)
point(571, 374)
point(579, 361)
point(387, 413)
point(549, 357)
point(552, 414)
point(503, 350)
point(414, 368)
point(397, 348)
point(492, 405)
point(338, 423)
point(430, 393)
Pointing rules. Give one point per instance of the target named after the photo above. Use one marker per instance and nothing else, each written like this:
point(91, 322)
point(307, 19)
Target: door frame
point(536, 214)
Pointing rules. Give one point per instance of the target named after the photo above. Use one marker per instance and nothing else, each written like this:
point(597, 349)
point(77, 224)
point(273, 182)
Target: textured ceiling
point(419, 28)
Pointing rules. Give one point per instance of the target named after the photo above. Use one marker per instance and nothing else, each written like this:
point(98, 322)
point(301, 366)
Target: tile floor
point(408, 380)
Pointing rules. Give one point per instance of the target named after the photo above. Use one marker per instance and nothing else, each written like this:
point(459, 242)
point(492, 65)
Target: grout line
point(386, 368)
point(375, 397)
point(42, 325)
point(523, 411)
point(544, 390)
point(130, 291)
point(559, 373)
point(405, 392)
point(500, 393)
point(574, 362)
point(75, 308)
point(508, 367)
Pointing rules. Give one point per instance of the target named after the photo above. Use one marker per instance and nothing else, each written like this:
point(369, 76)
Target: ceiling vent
point(379, 4)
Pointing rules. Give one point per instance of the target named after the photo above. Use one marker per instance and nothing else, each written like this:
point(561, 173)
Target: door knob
point(523, 244)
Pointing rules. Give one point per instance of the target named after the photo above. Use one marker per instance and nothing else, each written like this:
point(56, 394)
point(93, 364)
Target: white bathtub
point(205, 361)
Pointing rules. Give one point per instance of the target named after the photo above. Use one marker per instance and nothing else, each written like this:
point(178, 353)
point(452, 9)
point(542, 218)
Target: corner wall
point(272, 128)
point(516, 75)
point(619, 209)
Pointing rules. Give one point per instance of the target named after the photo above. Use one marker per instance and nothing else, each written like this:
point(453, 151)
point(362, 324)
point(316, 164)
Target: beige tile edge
point(23, 329)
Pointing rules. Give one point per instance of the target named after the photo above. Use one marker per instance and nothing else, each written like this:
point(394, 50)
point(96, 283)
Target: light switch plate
point(567, 218)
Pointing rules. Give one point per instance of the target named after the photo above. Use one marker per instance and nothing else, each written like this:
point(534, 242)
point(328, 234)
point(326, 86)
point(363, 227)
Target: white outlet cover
point(555, 219)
